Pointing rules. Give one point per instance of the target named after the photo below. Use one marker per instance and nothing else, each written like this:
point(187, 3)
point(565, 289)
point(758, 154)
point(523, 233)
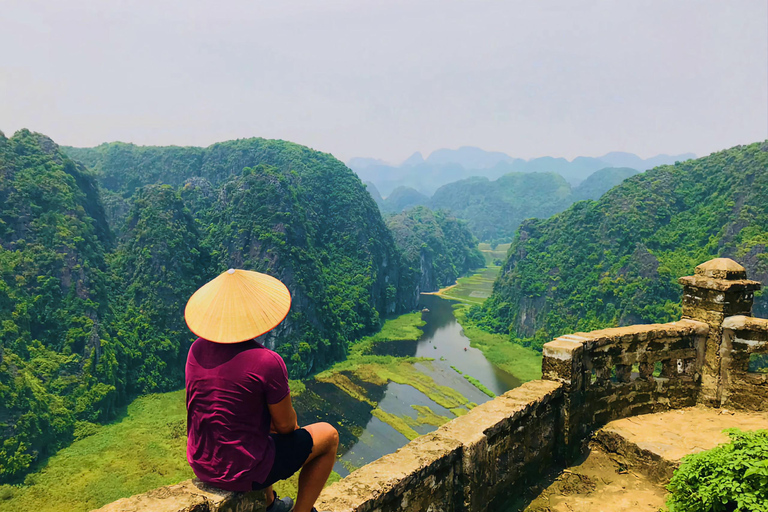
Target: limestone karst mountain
point(616, 260)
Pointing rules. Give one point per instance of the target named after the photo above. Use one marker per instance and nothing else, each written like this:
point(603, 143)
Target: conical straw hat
point(238, 305)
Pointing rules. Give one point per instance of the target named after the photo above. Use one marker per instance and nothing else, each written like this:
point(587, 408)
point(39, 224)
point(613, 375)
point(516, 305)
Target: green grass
point(396, 422)
point(479, 385)
point(491, 255)
point(523, 363)
point(473, 289)
point(143, 450)
point(400, 328)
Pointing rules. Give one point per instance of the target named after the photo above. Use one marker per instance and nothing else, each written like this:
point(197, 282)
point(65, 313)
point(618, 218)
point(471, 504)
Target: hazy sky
point(387, 78)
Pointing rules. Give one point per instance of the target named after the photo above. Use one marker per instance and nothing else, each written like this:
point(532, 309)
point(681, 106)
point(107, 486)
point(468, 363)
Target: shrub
point(731, 477)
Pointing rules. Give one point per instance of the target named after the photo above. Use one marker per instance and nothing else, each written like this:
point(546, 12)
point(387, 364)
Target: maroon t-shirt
point(228, 389)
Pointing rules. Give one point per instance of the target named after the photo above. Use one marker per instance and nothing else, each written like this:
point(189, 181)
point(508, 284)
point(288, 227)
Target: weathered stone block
point(189, 496)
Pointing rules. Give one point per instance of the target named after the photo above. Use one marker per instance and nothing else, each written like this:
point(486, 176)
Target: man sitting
point(242, 428)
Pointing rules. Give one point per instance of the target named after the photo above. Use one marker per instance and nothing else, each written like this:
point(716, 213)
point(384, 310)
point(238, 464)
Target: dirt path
point(599, 485)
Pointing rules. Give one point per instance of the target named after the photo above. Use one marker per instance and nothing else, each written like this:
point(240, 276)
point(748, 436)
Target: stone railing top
point(188, 496)
point(746, 323)
point(721, 274)
point(721, 268)
point(403, 470)
point(563, 346)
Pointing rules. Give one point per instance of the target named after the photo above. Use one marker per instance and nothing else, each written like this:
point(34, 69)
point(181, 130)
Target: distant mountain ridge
point(444, 166)
point(493, 209)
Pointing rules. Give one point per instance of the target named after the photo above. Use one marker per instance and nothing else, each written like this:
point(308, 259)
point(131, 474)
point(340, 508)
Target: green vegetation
point(56, 356)
point(88, 320)
point(145, 449)
point(731, 477)
point(616, 261)
point(494, 209)
point(426, 416)
point(474, 288)
point(479, 385)
point(437, 248)
point(403, 327)
point(522, 362)
point(396, 422)
point(403, 198)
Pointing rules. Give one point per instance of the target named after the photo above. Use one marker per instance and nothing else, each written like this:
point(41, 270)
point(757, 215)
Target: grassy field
point(475, 288)
point(144, 449)
point(524, 363)
point(491, 255)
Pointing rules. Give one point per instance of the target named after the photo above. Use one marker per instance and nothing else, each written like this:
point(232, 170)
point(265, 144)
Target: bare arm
point(283, 416)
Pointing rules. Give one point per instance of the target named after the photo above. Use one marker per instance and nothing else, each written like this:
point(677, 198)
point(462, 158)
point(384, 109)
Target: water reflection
point(365, 438)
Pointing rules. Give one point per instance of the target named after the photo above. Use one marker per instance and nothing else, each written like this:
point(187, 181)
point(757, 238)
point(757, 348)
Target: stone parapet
point(743, 336)
point(624, 371)
point(474, 462)
point(189, 496)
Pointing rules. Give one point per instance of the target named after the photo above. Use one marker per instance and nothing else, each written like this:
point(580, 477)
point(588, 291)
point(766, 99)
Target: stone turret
point(718, 289)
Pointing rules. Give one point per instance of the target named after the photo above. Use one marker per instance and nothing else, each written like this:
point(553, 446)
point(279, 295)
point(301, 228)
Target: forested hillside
point(57, 361)
point(284, 209)
point(494, 209)
point(437, 247)
point(403, 198)
point(91, 313)
point(616, 261)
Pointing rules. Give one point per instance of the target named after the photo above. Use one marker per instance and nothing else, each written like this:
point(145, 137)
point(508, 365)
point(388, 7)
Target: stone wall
point(474, 462)
point(609, 374)
point(740, 389)
point(189, 496)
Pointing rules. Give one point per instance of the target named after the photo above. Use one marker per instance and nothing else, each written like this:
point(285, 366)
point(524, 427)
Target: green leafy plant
point(731, 477)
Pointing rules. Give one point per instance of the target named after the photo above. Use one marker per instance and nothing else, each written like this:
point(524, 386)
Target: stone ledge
point(564, 346)
point(370, 485)
point(746, 323)
point(189, 496)
point(408, 478)
point(655, 443)
point(721, 285)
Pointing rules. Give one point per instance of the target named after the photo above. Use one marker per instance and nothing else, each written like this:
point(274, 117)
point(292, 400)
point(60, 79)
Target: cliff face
point(54, 291)
point(615, 261)
point(437, 247)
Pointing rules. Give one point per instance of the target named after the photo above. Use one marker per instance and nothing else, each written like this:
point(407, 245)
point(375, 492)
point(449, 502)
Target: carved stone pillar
point(718, 289)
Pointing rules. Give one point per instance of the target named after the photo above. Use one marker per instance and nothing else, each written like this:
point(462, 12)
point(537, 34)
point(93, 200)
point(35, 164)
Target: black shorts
point(291, 452)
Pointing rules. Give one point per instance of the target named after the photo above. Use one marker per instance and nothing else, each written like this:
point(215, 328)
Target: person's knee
point(325, 436)
point(330, 435)
point(334, 436)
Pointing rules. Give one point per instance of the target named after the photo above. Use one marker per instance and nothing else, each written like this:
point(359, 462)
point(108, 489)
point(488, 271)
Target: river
point(364, 436)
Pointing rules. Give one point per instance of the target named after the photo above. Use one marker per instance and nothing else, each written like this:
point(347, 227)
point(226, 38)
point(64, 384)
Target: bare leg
point(318, 466)
point(269, 495)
